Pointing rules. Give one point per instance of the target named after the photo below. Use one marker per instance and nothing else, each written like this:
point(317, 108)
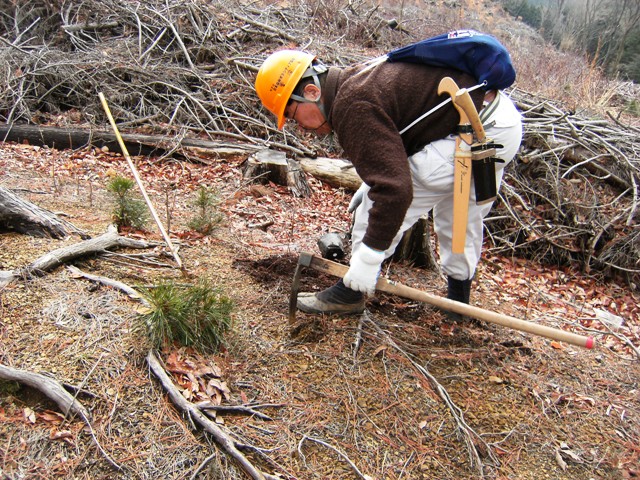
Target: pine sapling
point(128, 211)
point(206, 218)
point(197, 316)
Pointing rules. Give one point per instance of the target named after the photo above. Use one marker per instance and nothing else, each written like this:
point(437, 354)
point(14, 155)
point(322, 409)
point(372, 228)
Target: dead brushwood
point(186, 69)
point(570, 192)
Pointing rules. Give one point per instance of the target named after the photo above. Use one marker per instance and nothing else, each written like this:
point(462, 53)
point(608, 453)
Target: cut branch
point(220, 436)
point(48, 386)
point(89, 26)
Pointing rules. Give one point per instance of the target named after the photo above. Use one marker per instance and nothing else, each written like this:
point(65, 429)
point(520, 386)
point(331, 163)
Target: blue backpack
point(475, 53)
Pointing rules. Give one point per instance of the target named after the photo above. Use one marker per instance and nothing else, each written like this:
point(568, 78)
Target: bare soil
point(343, 394)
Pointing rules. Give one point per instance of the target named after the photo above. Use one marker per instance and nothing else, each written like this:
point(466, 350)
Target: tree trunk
point(271, 165)
point(25, 217)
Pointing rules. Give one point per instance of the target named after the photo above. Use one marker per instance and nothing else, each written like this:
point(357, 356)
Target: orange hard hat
point(278, 77)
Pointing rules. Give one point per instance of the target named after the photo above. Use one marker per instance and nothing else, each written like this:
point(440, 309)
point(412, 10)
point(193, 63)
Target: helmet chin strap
point(315, 129)
point(313, 71)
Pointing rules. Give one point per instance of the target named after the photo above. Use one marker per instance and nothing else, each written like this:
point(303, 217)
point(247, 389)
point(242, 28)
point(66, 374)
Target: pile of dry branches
point(572, 194)
point(187, 68)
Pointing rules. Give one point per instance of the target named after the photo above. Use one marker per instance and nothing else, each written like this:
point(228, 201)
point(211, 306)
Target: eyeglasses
point(293, 115)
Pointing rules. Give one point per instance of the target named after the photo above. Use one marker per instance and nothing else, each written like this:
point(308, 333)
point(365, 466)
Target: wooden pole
point(125, 153)
point(338, 270)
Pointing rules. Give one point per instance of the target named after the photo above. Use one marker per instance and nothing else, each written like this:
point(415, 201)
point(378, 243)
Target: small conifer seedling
point(197, 316)
point(206, 218)
point(128, 211)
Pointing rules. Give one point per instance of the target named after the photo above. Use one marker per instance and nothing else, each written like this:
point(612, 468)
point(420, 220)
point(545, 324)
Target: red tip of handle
point(590, 343)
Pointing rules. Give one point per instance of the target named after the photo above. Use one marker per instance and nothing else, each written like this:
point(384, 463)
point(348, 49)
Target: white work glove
point(356, 200)
point(364, 269)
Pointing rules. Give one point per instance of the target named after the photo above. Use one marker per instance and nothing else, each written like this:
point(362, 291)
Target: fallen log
point(137, 144)
point(51, 260)
point(336, 172)
point(25, 217)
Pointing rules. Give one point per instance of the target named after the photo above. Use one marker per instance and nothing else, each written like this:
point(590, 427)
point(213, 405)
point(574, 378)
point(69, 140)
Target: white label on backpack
point(462, 33)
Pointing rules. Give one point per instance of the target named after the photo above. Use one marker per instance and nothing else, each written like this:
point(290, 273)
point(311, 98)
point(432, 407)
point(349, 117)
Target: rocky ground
point(341, 397)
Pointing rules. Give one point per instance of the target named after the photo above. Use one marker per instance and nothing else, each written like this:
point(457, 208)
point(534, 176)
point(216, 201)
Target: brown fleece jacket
point(368, 110)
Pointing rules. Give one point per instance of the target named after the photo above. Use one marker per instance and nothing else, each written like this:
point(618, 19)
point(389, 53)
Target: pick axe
point(468, 125)
point(395, 288)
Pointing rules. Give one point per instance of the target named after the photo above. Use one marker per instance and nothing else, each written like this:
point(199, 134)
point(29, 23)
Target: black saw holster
point(484, 171)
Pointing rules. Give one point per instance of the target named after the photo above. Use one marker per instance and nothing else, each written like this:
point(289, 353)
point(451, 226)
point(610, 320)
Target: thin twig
point(472, 440)
point(342, 454)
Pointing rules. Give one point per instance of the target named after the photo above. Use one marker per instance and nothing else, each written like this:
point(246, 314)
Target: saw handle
point(449, 86)
point(463, 100)
point(465, 106)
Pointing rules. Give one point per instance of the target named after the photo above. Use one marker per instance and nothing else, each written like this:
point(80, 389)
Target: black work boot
point(336, 299)
point(460, 291)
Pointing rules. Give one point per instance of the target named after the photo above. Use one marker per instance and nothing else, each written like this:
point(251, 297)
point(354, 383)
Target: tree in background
point(630, 61)
point(606, 31)
point(527, 12)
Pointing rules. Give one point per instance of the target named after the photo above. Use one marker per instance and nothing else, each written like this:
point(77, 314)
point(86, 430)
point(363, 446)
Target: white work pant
point(432, 175)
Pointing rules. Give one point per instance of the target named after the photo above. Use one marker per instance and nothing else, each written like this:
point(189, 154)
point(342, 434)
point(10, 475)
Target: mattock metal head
point(303, 261)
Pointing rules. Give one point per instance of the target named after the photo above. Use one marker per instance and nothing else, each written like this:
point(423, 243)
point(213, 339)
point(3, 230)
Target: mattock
point(395, 288)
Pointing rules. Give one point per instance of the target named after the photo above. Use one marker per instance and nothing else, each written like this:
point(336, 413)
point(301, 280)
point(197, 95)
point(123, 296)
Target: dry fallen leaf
point(64, 435)
point(561, 463)
point(29, 415)
point(51, 416)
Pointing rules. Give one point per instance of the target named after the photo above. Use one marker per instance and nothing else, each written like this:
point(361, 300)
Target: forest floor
point(345, 397)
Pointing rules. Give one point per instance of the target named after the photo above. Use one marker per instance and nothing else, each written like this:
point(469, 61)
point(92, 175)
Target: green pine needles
point(128, 210)
point(206, 218)
point(197, 316)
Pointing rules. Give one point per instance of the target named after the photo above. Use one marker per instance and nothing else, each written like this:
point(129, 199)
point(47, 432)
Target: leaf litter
point(534, 402)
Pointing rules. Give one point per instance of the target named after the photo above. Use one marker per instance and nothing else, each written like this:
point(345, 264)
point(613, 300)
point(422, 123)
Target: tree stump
point(415, 246)
point(273, 166)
